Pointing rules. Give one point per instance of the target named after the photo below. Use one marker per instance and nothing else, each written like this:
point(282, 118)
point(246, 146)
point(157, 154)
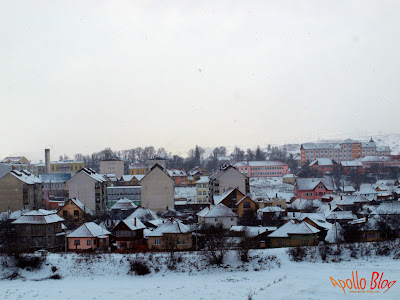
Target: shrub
point(55, 276)
point(383, 250)
point(297, 253)
point(138, 267)
point(53, 269)
point(29, 262)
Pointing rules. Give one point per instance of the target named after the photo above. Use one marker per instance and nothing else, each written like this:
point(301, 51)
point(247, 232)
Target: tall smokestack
point(47, 160)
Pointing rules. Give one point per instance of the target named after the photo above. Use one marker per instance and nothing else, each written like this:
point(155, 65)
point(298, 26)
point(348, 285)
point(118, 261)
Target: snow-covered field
point(105, 277)
point(269, 187)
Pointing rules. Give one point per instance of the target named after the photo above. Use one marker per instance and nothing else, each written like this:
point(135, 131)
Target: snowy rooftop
point(323, 162)
point(25, 176)
point(54, 178)
point(269, 209)
point(291, 227)
point(351, 163)
point(169, 226)
point(176, 172)
point(123, 204)
point(219, 198)
point(352, 199)
point(144, 214)
point(340, 215)
point(39, 216)
point(133, 223)
point(203, 179)
point(130, 177)
point(308, 184)
point(78, 203)
point(215, 211)
point(90, 229)
point(387, 208)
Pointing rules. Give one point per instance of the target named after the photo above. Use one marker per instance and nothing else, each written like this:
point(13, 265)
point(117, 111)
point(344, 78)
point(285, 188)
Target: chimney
point(330, 206)
point(47, 160)
point(135, 222)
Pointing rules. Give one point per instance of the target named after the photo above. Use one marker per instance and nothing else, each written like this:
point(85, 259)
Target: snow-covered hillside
point(269, 275)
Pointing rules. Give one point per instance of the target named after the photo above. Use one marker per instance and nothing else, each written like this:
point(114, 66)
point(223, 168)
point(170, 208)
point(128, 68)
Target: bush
point(29, 262)
point(297, 253)
point(55, 276)
point(139, 268)
point(383, 250)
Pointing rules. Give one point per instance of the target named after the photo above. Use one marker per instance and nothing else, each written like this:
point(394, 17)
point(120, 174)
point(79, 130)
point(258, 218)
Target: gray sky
point(78, 76)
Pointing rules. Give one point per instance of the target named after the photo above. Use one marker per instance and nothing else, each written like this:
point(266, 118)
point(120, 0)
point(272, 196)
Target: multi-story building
point(266, 168)
point(112, 166)
point(157, 190)
point(313, 188)
point(20, 190)
point(179, 176)
point(39, 229)
point(347, 150)
point(137, 168)
point(203, 190)
point(228, 177)
point(90, 188)
point(114, 193)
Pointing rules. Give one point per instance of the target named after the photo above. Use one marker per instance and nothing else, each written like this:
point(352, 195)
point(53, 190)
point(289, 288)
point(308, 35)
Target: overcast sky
point(79, 76)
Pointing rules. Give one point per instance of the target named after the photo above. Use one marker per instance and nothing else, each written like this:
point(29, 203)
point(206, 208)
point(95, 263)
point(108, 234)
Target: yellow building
point(137, 169)
point(202, 190)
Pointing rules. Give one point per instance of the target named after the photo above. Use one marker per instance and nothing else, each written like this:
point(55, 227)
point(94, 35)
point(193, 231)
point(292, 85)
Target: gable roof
point(203, 179)
point(123, 204)
point(92, 173)
point(224, 170)
point(215, 211)
point(144, 214)
point(323, 162)
point(308, 184)
point(176, 172)
point(219, 198)
point(169, 226)
point(81, 206)
point(159, 167)
point(40, 216)
point(89, 229)
point(25, 176)
point(132, 223)
point(291, 228)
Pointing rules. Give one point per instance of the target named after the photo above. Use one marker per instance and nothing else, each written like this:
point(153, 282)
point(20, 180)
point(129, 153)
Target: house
point(145, 215)
point(128, 234)
point(202, 190)
point(229, 198)
point(341, 217)
point(122, 209)
point(257, 234)
point(39, 229)
point(137, 168)
point(274, 202)
point(245, 207)
point(368, 192)
point(346, 190)
point(90, 188)
point(218, 214)
point(20, 190)
point(293, 234)
point(130, 180)
point(89, 236)
point(305, 205)
point(352, 202)
point(74, 213)
point(289, 178)
point(313, 188)
point(112, 165)
point(197, 172)
point(179, 176)
point(267, 168)
point(15, 160)
point(157, 189)
point(369, 228)
point(323, 165)
point(54, 189)
point(228, 177)
point(271, 215)
point(171, 235)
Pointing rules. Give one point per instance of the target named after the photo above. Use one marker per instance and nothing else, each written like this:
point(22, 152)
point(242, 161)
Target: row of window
point(88, 242)
point(178, 241)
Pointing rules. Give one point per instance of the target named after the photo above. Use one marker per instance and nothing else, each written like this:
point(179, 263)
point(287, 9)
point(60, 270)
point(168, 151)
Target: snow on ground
point(264, 187)
point(105, 277)
point(188, 192)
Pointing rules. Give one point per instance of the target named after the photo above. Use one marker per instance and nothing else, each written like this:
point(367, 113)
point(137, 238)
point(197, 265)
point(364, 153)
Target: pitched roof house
point(218, 214)
point(293, 234)
point(171, 235)
point(313, 188)
point(89, 236)
point(128, 234)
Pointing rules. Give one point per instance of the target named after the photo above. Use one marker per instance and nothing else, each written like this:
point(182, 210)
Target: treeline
point(196, 157)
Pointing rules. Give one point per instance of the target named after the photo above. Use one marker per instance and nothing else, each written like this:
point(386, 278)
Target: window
point(88, 242)
point(94, 242)
point(76, 213)
point(185, 241)
point(232, 219)
point(246, 204)
point(65, 214)
point(157, 242)
point(77, 242)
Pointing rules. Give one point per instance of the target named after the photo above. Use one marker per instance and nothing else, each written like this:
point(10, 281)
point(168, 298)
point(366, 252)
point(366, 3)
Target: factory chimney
point(47, 160)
